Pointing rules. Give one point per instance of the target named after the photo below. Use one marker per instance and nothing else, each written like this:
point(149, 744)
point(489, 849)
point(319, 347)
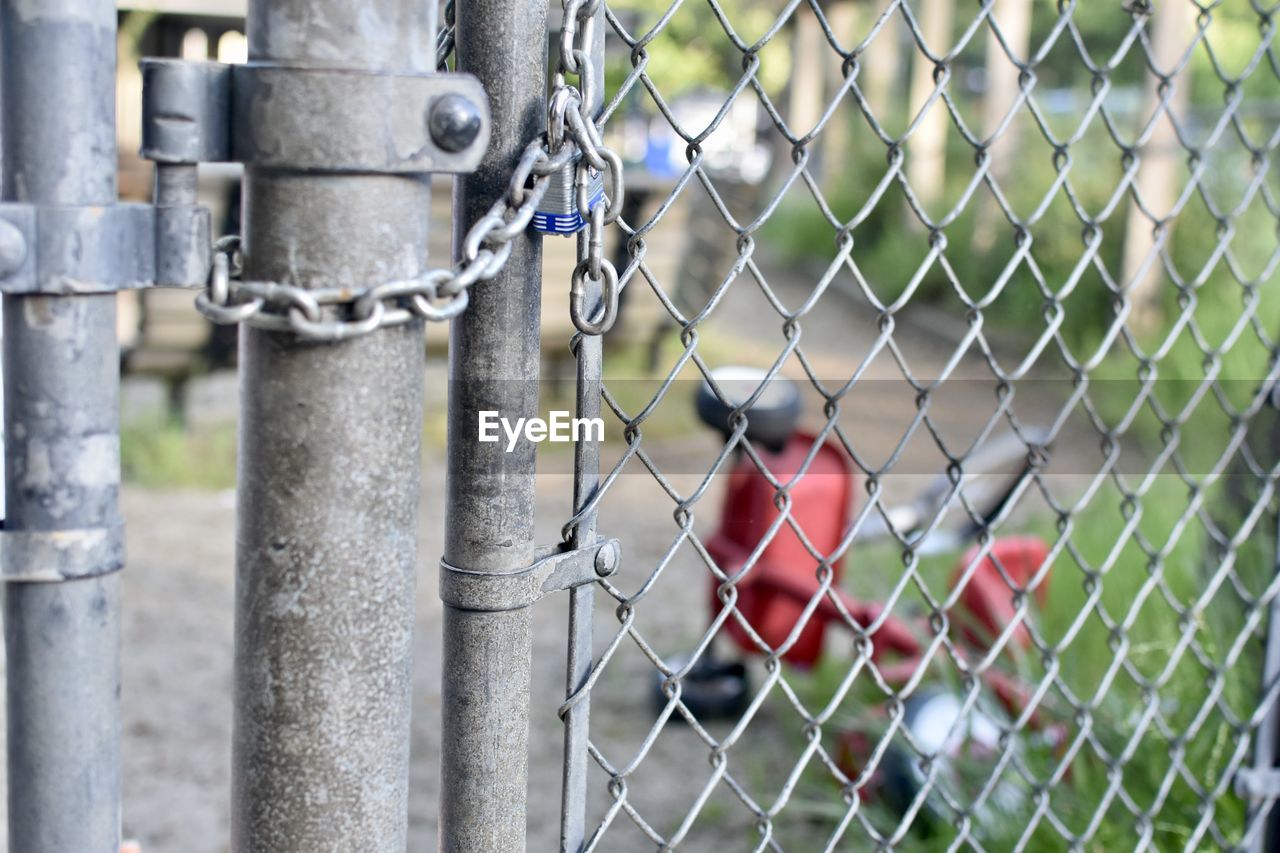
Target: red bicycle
point(779, 595)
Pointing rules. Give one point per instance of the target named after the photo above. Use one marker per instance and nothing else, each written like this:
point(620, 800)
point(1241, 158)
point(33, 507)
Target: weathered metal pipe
point(494, 355)
point(328, 474)
point(62, 468)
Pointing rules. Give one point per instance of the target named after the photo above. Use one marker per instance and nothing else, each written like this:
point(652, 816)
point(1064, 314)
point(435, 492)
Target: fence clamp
point(1254, 783)
point(330, 120)
point(75, 249)
point(556, 568)
point(53, 556)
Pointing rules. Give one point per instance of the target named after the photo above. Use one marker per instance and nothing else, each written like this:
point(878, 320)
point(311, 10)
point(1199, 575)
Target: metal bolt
point(454, 122)
point(13, 248)
point(607, 559)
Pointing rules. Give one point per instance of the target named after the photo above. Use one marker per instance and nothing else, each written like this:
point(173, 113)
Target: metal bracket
point(313, 119)
point(273, 116)
point(76, 249)
point(52, 556)
point(1253, 783)
point(186, 111)
point(66, 250)
point(556, 569)
point(358, 121)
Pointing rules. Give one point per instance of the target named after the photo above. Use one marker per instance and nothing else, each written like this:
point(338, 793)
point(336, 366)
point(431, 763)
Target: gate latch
point(555, 569)
point(259, 114)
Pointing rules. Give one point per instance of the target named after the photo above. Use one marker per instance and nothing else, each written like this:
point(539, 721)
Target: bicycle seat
point(771, 418)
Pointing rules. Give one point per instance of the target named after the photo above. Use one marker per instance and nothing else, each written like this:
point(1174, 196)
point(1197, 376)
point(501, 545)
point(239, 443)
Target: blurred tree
point(693, 52)
point(1013, 19)
point(881, 60)
point(1156, 187)
point(926, 162)
point(810, 53)
point(844, 18)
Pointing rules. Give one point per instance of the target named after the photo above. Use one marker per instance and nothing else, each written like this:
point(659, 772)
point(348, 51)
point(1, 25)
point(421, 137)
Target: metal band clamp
point(555, 569)
point(74, 249)
point(357, 121)
point(1252, 783)
point(52, 556)
point(313, 119)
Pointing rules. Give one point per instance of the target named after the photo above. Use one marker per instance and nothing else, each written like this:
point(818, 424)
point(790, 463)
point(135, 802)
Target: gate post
point(62, 461)
point(329, 455)
point(493, 364)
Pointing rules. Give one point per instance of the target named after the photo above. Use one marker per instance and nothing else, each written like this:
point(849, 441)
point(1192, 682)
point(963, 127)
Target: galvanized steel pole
point(494, 355)
point(586, 483)
point(62, 469)
point(329, 454)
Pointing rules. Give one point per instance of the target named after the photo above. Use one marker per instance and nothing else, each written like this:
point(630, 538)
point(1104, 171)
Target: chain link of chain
point(445, 38)
point(338, 313)
point(570, 114)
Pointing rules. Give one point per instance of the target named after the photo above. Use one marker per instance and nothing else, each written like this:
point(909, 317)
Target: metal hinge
point(555, 569)
point(310, 119)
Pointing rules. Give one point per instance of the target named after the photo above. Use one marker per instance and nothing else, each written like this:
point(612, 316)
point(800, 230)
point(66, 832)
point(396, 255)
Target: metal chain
point(338, 313)
point(445, 38)
point(570, 112)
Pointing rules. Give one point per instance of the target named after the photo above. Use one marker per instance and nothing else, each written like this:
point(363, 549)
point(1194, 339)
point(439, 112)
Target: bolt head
point(13, 248)
point(454, 122)
point(607, 559)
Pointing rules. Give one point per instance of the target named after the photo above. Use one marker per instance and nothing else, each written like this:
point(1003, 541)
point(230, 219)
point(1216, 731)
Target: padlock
point(558, 212)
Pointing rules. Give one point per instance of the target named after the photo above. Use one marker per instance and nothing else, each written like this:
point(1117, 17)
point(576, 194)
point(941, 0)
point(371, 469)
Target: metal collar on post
point(555, 570)
point(50, 556)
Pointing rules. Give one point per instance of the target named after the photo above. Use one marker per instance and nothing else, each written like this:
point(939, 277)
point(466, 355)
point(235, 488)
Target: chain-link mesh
point(1008, 584)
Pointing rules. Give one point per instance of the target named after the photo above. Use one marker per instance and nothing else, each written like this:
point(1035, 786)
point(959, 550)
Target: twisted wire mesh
point(1098, 689)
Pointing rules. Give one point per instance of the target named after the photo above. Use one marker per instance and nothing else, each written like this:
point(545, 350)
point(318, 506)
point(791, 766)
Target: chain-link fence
point(1008, 583)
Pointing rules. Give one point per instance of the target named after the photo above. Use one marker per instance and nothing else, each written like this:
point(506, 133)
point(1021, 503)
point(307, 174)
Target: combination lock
point(558, 212)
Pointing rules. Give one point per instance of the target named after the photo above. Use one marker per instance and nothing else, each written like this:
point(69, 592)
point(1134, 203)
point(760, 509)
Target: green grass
point(166, 454)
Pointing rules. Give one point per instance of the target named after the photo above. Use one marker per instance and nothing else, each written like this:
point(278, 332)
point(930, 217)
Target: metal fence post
point(494, 361)
point(589, 355)
point(576, 711)
point(1258, 784)
point(329, 454)
point(62, 470)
